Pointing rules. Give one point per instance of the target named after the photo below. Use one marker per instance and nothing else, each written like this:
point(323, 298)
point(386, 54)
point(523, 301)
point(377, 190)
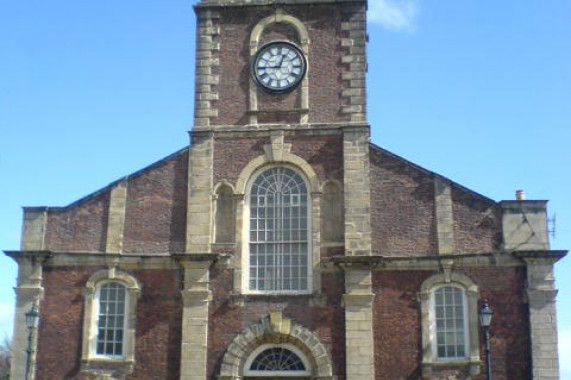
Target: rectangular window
point(111, 319)
point(450, 323)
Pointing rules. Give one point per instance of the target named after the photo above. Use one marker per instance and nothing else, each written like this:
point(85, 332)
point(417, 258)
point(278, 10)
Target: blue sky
point(478, 91)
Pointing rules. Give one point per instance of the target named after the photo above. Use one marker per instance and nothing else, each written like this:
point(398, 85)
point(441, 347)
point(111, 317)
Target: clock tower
point(281, 100)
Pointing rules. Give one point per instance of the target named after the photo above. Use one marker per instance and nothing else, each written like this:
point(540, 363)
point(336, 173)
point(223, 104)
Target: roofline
point(431, 173)
point(106, 188)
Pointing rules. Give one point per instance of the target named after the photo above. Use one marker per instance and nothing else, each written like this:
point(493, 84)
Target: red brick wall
point(61, 324)
point(79, 227)
point(397, 323)
point(402, 207)
point(227, 321)
point(510, 344)
point(158, 332)
point(323, 153)
point(232, 155)
point(155, 219)
point(403, 211)
point(155, 216)
point(324, 72)
point(477, 222)
point(396, 318)
point(159, 325)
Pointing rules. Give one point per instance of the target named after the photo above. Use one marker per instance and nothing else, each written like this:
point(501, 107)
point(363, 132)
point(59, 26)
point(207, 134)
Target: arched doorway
point(276, 348)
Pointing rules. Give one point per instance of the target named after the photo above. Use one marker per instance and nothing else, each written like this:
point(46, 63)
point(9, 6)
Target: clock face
point(279, 67)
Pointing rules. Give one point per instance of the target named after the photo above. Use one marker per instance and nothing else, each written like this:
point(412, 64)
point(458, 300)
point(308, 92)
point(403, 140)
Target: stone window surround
point(89, 337)
point(246, 233)
point(434, 329)
point(280, 17)
point(276, 328)
point(267, 346)
point(277, 154)
point(430, 362)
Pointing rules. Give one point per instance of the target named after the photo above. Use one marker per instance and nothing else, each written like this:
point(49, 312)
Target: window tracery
point(278, 258)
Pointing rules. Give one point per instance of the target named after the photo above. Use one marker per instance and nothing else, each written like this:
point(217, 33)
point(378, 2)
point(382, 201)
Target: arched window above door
point(283, 360)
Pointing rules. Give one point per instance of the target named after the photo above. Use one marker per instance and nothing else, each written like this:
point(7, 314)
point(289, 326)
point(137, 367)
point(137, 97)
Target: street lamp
point(32, 319)
point(485, 321)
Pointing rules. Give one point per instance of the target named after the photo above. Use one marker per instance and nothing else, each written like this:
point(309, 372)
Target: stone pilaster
point(34, 228)
point(353, 43)
point(116, 218)
point(29, 291)
point(358, 302)
point(200, 190)
point(357, 191)
point(444, 216)
point(195, 296)
point(207, 60)
point(541, 293)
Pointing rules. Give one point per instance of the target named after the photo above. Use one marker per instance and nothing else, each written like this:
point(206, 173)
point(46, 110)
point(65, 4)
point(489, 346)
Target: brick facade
point(400, 232)
point(158, 325)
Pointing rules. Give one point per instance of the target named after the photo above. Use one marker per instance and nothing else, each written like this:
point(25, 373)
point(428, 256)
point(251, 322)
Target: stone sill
point(240, 300)
point(100, 363)
point(428, 368)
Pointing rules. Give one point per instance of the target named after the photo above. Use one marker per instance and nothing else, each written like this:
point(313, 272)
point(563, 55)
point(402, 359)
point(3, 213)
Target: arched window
point(283, 360)
point(449, 310)
point(109, 317)
point(278, 241)
point(110, 312)
point(450, 323)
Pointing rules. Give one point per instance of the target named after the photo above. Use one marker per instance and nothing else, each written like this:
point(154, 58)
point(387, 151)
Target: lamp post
point(485, 321)
point(32, 319)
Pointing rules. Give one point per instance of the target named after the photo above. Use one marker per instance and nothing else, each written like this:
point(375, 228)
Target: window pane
point(277, 359)
point(111, 319)
point(283, 219)
point(449, 317)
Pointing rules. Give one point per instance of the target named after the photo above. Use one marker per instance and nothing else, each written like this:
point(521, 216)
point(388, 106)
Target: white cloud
point(398, 15)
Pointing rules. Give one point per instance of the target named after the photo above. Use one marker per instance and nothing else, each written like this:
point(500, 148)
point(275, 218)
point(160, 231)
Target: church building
point(281, 243)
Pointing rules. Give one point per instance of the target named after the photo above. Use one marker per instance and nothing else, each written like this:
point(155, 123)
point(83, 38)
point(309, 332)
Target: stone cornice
point(256, 129)
point(548, 257)
point(147, 261)
point(206, 4)
point(502, 258)
point(212, 257)
point(17, 255)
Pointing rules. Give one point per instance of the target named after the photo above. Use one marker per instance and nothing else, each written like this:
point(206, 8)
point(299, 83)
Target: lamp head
point(32, 318)
point(486, 314)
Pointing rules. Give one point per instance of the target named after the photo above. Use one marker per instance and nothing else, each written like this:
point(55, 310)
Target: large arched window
point(279, 236)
